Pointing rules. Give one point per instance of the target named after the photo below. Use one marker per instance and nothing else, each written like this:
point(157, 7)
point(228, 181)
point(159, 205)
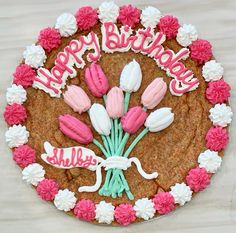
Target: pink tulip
point(77, 99)
point(96, 80)
point(154, 93)
point(115, 103)
point(133, 120)
point(75, 129)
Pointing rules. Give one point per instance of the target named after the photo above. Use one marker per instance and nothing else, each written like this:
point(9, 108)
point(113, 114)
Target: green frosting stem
point(126, 101)
point(122, 144)
point(113, 134)
point(104, 99)
point(116, 134)
point(136, 140)
point(120, 130)
point(105, 142)
point(100, 146)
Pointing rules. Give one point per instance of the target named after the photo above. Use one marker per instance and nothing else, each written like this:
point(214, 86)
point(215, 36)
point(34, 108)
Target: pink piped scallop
point(125, 214)
point(47, 189)
point(85, 210)
point(164, 202)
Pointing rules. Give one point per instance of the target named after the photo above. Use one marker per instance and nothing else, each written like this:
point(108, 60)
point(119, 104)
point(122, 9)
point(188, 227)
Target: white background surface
point(214, 210)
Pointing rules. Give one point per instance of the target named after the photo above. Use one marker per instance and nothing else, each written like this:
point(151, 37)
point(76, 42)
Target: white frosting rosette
point(181, 193)
point(150, 17)
point(33, 173)
point(108, 12)
point(104, 212)
point(66, 24)
point(144, 208)
point(65, 200)
point(212, 71)
point(16, 135)
point(186, 35)
point(221, 115)
point(34, 56)
point(16, 94)
point(210, 160)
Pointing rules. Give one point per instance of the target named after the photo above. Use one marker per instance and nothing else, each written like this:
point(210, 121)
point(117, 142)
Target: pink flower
point(24, 75)
point(49, 38)
point(85, 210)
point(198, 179)
point(77, 99)
point(47, 189)
point(169, 25)
point(154, 93)
point(125, 214)
point(129, 15)
point(164, 202)
point(133, 120)
point(201, 51)
point(24, 155)
point(218, 92)
point(217, 138)
point(15, 114)
point(86, 17)
point(96, 80)
point(115, 103)
point(75, 129)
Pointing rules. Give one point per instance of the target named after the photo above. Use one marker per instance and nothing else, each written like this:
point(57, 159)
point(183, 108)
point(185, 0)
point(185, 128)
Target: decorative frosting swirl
point(212, 71)
point(186, 35)
point(65, 200)
point(16, 135)
point(150, 17)
point(104, 212)
point(33, 173)
point(108, 12)
point(34, 56)
point(16, 94)
point(210, 160)
point(221, 115)
point(181, 193)
point(144, 208)
point(66, 24)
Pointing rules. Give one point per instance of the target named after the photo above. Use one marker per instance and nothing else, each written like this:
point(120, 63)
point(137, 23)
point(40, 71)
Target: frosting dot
point(24, 75)
point(201, 51)
point(169, 25)
point(47, 189)
point(49, 38)
point(218, 92)
point(124, 214)
point(164, 202)
point(198, 179)
point(15, 114)
point(86, 17)
point(129, 15)
point(217, 138)
point(85, 210)
point(24, 155)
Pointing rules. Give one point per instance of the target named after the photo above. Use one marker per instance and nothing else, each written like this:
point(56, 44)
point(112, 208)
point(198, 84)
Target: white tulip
point(159, 119)
point(100, 119)
point(131, 77)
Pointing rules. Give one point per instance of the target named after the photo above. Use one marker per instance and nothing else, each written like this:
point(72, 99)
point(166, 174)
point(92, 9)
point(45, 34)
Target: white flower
point(16, 135)
point(100, 119)
point(159, 119)
point(16, 94)
point(34, 56)
point(186, 35)
point(131, 77)
point(104, 212)
point(108, 12)
point(66, 24)
point(212, 71)
point(221, 115)
point(210, 160)
point(144, 208)
point(181, 193)
point(33, 173)
point(150, 17)
point(65, 200)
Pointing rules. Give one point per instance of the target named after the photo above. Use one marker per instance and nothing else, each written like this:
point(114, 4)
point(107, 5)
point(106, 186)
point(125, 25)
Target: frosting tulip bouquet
point(115, 122)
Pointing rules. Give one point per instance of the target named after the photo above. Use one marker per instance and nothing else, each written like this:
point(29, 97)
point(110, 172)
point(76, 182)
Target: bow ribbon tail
point(141, 171)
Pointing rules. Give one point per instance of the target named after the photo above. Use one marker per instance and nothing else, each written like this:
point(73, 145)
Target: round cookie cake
point(118, 115)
